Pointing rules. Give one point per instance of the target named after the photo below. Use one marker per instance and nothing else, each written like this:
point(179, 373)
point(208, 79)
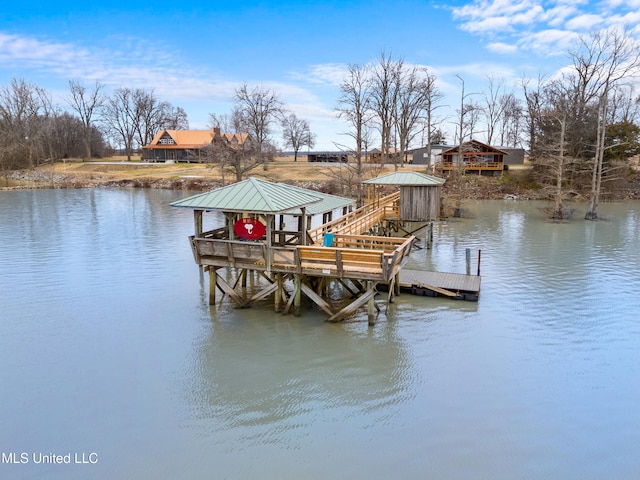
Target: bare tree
point(502, 113)
point(121, 117)
point(21, 125)
point(602, 60)
point(413, 101)
point(511, 124)
point(260, 109)
point(623, 105)
point(296, 134)
point(385, 84)
point(242, 155)
point(86, 102)
point(354, 107)
point(469, 116)
point(553, 159)
point(432, 98)
point(153, 115)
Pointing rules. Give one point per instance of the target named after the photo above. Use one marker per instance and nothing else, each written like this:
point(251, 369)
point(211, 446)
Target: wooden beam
point(226, 288)
point(268, 290)
point(315, 298)
point(443, 291)
point(352, 307)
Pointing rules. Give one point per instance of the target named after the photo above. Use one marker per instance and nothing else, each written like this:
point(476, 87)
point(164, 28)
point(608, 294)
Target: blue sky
point(195, 54)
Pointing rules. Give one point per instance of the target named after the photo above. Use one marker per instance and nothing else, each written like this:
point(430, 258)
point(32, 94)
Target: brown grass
point(283, 169)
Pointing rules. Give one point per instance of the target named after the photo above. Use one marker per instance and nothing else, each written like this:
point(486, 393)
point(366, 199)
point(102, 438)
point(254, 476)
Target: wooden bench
point(341, 261)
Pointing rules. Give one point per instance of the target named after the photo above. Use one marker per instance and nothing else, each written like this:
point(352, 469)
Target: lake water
point(110, 355)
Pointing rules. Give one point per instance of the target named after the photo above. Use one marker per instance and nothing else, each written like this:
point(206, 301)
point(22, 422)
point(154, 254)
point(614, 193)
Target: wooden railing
point(361, 263)
point(360, 220)
point(471, 166)
point(359, 257)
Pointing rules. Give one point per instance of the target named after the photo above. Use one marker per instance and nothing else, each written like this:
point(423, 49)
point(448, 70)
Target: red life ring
point(249, 229)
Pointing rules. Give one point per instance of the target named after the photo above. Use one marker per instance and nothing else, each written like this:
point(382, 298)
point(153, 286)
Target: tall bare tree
point(469, 116)
point(413, 100)
point(605, 57)
point(432, 99)
point(385, 81)
point(512, 123)
point(86, 102)
point(21, 124)
point(260, 108)
point(624, 105)
point(553, 159)
point(121, 117)
point(153, 115)
point(354, 107)
point(241, 157)
point(296, 134)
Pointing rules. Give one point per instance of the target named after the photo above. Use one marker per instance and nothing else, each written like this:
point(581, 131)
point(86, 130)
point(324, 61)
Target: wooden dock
point(435, 284)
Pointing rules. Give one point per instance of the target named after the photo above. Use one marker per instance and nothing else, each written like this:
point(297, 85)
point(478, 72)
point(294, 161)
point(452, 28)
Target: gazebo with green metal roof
point(250, 242)
point(258, 200)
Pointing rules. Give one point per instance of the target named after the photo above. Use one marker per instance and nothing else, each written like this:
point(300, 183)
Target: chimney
point(216, 131)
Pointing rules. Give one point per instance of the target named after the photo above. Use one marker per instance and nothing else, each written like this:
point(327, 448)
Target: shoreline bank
point(203, 177)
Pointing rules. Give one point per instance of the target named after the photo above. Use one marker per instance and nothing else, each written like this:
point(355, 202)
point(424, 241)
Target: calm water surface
point(108, 346)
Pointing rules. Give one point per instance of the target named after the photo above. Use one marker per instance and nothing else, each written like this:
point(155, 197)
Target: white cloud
point(503, 48)
point(541, 26)
point(16, 50)
point(584, 22)
point(550, 42)
point(326, 74)
point(557, 16)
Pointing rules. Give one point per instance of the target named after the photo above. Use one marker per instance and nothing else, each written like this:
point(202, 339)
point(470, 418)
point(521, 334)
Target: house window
point(167, 141)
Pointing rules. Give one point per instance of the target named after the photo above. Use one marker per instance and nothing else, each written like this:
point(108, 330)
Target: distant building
point(418, 156)
point(189, 145)
point(327, 157)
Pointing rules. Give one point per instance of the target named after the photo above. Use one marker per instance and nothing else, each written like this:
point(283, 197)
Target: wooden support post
point(197, 222)
point(430, 236)
point(468, 259)
point(213, 281)
point(397, 284)
point(243, 280)
point(279, 293)
point(297, 295)
point(197, 227)
point(371, 304)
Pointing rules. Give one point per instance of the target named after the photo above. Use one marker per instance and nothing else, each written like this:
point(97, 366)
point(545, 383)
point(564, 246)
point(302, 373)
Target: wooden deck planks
point(448, 281)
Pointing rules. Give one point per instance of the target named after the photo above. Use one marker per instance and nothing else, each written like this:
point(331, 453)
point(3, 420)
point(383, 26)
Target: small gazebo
point(266, 231)
point(419, 194)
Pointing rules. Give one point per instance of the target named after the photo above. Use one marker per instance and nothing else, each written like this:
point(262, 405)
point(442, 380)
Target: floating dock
point(439, 284)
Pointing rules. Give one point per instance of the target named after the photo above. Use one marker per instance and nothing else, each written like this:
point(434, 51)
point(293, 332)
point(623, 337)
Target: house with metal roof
point(473, 156)
point(189, 145)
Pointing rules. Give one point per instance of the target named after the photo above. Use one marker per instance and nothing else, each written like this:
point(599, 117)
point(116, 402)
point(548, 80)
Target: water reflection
point(268, 378)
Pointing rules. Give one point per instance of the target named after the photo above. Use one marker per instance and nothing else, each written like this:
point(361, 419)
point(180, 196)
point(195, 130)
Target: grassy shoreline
point(117, 172)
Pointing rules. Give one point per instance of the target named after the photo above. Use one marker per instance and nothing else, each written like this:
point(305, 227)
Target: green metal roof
point(406, 179)
point(327, 204)
point(251, 195)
